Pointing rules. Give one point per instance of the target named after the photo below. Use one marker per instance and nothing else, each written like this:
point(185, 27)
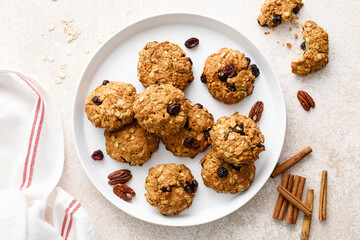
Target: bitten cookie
point(110, 105)
point(229, 75)
point(164, 62)
point(131, 144)
point(275, 12)
point(237, 139)
point(170, 188)
point(194, 137)
point(224, 177)
point(160, 109)
point(316, 49)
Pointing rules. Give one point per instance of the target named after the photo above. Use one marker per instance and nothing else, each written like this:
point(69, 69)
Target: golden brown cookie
point(229, 76)
point(131, 144)
point(194, 137)
point(316, 49)
point(224, 177)
point(164, 62)
point(275, 12)
point(161, 109)
point(237, 139)
point(110, 105)
point(170, 188)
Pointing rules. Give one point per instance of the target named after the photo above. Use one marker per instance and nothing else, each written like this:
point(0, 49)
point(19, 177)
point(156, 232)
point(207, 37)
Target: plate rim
point(163, 15)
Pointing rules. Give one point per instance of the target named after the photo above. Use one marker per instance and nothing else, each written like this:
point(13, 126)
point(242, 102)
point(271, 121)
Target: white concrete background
point(331, 129)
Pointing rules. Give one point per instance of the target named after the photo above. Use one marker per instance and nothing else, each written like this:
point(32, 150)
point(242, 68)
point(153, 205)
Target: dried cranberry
point(191, 42)
point(203, 78)
point(97, 155)
point(195, 184)
point(190, 61)
point(230, 71)
point(191, 143)
point(222, 76)
point(296, 9)
point(207, 134)
point(222, 172)
point(231, 88)
point(189, 187)
point(105, 82)
point(303, 46)
point(200, 106)
point(173, 109)
point(277, 19)
point(237, 168)
point(96, 100)
point(186, 126)
point(166, 189)
point(239, 128)
point(259, 145)
point(248, 60)
point(255, 70)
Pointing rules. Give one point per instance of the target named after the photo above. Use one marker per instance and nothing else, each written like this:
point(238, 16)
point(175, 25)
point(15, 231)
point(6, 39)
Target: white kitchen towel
point(31, 163)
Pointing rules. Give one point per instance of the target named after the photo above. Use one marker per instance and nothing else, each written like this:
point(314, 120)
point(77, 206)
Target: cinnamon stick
point(280, 198)
point(323, 196)
point(285, 202)
point(305, 232)
point(290, 210)
point(293, 200)
point(291, 162)
point(299, 194)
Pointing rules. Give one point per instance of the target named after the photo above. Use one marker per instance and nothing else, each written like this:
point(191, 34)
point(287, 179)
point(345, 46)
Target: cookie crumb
point(278, 42)
point(288, 45)
point(296, 36)
point(290, 29)
point(51, 28)
point(283, 44)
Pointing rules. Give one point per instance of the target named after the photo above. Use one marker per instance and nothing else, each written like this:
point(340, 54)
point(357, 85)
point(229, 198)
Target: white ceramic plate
point(117, 61)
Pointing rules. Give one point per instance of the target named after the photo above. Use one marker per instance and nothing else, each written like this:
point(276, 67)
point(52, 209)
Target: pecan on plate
point(119, 176)
point(306, 100)
point(124, 192)
point(256, 111)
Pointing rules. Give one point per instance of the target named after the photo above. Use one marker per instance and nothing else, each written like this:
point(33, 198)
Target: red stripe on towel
point(71, 220)
point(66, 216)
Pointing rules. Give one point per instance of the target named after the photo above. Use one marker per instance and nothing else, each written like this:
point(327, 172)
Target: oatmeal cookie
point(275, 12)
point(315, 47)
point(237, 139)
point(170, 188)
point(131, 144)
point(110, 105)
point(161, 109)
point(229, 76)
point(164, 62)
point(194, 137)
point(224, 177)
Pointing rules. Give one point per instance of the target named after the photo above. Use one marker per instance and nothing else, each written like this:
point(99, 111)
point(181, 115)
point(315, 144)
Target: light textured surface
point(331, 129)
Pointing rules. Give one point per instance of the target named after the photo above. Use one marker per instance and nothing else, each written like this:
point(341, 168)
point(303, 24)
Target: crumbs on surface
point(290, 28)
point(266, 33)
point(70, 30)
point(288, 45)
point(296, 36)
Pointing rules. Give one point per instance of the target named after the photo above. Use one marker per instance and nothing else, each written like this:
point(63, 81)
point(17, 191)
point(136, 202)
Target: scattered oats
point(70, 30)
point(51, 28)
point(296, 36)
point(290, 29)
point(51, 59)
point(100, 40)
point(85, 50)
point(67, 52)
point(44, 57)
point(58, 80)
point(112, 30)
point(288, 45)
point(61, 76)
point(63, 66)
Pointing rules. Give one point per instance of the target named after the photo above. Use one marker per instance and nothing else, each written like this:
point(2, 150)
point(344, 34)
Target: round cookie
point(160, 109)
point(110, 105)
point(237, 139)
point(316, 49)
point(131, 144)
point(164, 62)
point(229, 75)
point(194, 138)
point(170, 188)
point(224, 177)
point(275, 12)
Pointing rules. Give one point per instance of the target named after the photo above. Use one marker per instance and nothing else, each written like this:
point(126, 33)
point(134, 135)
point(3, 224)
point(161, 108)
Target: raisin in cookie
point(164, 62)
point(316, 49)
point(237, 139)
point(275, 12)
point(131, 144)
point(110, 105)
point(224, 177)
point(170, 188)
point(160, 109)
point(194, 137)
point(229, 75)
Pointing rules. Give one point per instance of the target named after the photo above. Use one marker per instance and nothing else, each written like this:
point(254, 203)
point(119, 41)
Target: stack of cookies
point(134, 123)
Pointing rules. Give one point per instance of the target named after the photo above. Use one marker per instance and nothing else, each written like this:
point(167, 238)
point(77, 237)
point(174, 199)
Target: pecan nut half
point(306, 100)
point(256, 111)
point(119, 176)
point(124, 192)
